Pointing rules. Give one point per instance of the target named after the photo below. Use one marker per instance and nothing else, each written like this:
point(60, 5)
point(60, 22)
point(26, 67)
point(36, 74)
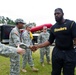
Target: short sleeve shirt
point(63, 34)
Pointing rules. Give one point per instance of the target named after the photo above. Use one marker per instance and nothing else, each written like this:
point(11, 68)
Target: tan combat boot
point(34, 69)
point(23, 70)
point(49, 63)
point(42, 64)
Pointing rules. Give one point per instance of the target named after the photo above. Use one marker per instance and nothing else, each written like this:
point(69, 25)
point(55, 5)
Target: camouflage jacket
point(14, 37)
point(26, 38)
point(43, 37)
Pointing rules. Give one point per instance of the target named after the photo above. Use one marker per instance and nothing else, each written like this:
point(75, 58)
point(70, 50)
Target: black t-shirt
point(63, 34)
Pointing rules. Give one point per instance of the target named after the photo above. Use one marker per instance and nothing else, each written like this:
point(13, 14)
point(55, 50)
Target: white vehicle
point(35, 38)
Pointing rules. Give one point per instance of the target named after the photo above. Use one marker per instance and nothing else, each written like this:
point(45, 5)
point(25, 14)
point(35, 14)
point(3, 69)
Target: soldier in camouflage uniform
point(15, 40)
point(9, 51)
point(27, 57)
point(45, 50)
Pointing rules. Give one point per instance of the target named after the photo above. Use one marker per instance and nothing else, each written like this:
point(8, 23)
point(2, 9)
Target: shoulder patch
point(16, 33)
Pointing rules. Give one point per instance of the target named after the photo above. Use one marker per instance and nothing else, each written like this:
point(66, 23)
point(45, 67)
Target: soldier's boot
point(49, 63)
point(34, 69)
point(23, 70)
point(42, 64)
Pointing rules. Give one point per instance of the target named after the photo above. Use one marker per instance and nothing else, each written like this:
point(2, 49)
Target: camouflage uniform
point(27, 57)
point(45, 50)
point(7, 51)
point(14, 40)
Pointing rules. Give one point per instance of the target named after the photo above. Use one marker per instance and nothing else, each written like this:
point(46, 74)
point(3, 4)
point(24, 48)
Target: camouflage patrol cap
point(28, 25)
point(19, 21)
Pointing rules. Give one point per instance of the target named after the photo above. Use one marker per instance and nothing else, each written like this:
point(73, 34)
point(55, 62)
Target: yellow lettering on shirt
point(60, 29)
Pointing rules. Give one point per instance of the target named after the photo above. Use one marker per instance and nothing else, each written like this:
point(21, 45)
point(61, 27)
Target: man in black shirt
point(64, 34)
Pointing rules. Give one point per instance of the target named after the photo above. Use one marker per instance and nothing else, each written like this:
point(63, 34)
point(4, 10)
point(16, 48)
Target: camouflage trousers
point(45, 51)
point(15, 65)
point(27, 57)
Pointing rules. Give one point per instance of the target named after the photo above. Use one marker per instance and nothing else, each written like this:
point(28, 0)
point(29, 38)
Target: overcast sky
point(38, 11)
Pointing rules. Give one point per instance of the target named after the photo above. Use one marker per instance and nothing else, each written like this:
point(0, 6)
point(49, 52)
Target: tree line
point(7, 20)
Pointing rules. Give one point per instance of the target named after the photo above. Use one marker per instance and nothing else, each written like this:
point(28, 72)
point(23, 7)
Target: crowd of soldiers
point(18, 38)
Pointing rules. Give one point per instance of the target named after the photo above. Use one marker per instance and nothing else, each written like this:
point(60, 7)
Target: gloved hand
point(23, 46)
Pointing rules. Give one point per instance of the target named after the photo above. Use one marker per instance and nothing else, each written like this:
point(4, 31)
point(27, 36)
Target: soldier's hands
point(20, 50)
point(34, 48)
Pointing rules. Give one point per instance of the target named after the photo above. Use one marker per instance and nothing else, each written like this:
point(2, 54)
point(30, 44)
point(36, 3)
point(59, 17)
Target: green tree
point(2, 19)
point(6, 20)
point(9, 21)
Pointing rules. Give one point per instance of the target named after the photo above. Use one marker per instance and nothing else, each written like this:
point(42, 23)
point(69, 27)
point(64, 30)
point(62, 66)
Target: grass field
point(5, 66)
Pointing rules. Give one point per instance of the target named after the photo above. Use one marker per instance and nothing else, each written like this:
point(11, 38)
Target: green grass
point(5, 66)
